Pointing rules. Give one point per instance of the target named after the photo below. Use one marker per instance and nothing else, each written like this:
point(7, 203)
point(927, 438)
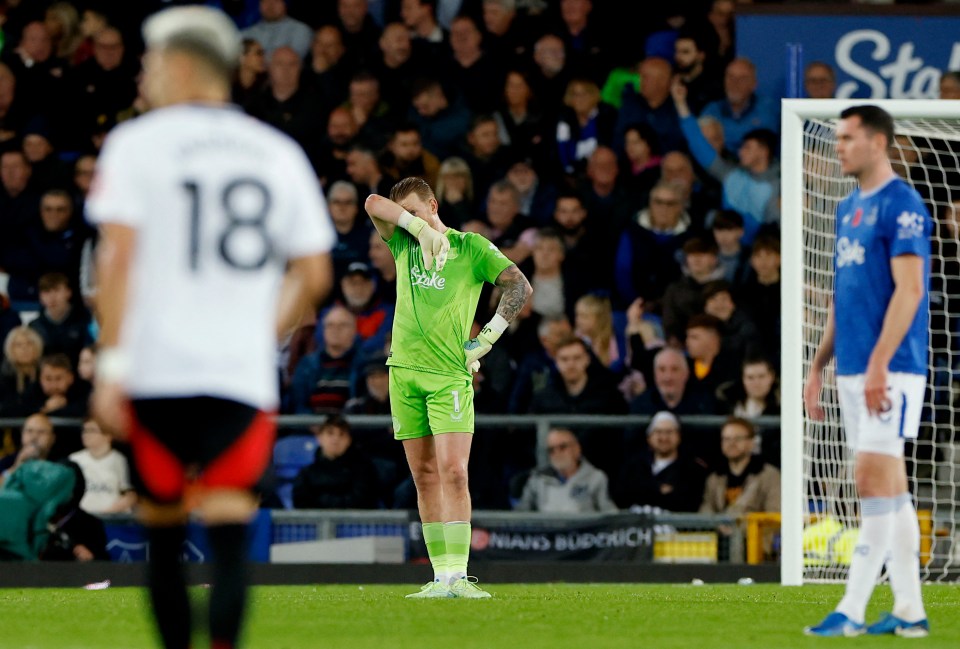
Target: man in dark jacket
point(580, 387)
point(660, 475)
point(341, 476)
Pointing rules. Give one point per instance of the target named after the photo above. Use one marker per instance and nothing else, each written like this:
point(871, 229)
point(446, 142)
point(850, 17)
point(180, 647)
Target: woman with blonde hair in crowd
point(593, 321)
point(455, 192)
point(20, 369)
point(63, 24)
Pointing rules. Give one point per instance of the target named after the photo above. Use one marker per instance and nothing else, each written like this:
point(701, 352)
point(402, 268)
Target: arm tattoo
point(515, 290)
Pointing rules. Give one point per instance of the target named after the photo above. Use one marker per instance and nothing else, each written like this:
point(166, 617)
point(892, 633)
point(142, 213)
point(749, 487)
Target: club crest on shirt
point(849, 252)
point(910, 225)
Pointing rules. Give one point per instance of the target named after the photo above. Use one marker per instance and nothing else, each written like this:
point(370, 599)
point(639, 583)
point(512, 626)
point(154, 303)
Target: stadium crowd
point(628, 167)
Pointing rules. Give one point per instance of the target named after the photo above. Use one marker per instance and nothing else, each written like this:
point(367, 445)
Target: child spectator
point(732, 256)
point(105, 471)
point(63, 327)
point(739, 332)
point(684, 297)
point(341, 476)
point(760, 295)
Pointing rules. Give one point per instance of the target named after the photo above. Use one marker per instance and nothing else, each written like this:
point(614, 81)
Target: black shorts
point(205, 441)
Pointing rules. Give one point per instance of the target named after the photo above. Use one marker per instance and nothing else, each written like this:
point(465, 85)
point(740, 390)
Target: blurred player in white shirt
point(214, 243)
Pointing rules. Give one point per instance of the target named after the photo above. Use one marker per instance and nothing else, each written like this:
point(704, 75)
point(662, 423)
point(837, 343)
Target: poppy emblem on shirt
point(857, 217)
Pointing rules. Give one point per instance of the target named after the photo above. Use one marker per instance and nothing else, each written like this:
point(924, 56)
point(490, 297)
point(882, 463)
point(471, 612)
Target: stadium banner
point(127, 541)
point(617, 537)
point(877, 57)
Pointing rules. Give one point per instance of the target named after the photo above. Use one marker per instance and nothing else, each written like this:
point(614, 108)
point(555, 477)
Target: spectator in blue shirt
point(751, 188)
point(742, 110)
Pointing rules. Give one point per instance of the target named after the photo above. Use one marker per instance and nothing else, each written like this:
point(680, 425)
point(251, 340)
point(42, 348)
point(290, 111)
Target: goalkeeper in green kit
point(440, 273)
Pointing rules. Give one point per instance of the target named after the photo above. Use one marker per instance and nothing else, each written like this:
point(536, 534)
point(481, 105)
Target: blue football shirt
point(873, 228)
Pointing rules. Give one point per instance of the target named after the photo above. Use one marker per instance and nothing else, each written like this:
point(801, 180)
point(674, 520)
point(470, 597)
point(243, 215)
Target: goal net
point(927, 155)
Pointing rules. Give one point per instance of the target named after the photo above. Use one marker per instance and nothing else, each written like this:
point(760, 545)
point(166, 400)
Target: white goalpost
point(819, 500)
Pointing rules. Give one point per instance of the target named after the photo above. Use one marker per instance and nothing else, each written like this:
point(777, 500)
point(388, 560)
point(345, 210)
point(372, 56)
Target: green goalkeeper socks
point(457, 535)
point(433, 536)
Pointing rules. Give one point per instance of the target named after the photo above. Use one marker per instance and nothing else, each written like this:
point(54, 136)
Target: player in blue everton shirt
point(878, 330)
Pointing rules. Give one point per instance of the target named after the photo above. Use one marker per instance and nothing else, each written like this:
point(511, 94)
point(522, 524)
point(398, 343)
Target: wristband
point(495, 328)
point(113, 365)
point(410, 223)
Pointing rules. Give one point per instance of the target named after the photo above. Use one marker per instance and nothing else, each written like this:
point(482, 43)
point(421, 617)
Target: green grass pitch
point(578, 616)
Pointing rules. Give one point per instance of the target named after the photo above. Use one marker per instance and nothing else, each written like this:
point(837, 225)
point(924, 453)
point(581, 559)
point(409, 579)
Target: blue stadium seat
point(290, 454)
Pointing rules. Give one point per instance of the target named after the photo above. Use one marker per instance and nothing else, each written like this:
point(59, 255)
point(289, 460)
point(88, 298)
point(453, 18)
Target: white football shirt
point(107, 478)
point(220, 203)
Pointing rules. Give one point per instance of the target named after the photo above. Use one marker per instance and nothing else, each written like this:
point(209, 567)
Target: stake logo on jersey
point(421, 278)
point(849, 252)
point(872, 230)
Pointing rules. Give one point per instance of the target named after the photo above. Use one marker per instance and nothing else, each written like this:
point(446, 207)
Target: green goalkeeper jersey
point(435, 311)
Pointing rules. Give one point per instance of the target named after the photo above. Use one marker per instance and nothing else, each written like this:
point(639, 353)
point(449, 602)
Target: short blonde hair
point(602, 310)
point(455, 166)
point(22, 331)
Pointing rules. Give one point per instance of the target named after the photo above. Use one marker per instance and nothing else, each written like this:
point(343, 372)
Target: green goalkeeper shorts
point(429, 404)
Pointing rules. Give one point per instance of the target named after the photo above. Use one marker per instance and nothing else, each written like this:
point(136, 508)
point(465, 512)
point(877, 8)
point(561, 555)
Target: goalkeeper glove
point(476, 348)
point(433, 245)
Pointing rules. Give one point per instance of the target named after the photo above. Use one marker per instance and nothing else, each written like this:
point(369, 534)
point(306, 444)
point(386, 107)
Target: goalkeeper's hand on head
point(433, 245)
point(476, 348)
